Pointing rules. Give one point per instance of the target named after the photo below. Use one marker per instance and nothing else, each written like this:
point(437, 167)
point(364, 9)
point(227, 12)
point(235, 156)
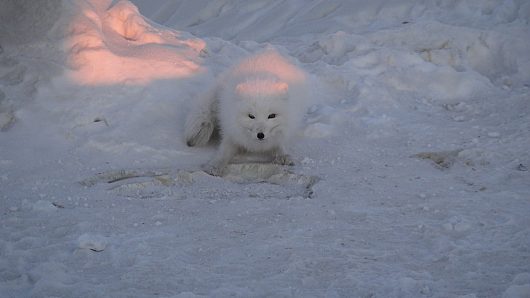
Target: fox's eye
point(251, 116)
point(272, 116)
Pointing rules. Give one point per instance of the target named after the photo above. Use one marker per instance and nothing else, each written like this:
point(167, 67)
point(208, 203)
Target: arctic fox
point(256, 106)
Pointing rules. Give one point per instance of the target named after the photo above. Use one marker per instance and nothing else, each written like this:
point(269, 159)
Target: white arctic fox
point(256, 106)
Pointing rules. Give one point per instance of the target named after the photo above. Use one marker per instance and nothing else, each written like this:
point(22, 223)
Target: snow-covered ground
point(412, 175)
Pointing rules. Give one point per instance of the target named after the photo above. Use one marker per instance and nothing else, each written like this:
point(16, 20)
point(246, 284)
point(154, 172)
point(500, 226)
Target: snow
point(412, 166)
point(95, 243)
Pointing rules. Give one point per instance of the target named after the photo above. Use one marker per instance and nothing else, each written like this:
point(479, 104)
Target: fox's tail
point(201, 121)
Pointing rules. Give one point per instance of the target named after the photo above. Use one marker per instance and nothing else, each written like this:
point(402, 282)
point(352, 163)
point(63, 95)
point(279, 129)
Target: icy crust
point(261, 180)
point(110, 44)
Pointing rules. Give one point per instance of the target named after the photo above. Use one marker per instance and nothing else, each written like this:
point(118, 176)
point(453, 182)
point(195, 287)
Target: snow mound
point(115, 44)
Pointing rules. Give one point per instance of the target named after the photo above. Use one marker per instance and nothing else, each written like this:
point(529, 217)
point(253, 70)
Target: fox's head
point(260, 112)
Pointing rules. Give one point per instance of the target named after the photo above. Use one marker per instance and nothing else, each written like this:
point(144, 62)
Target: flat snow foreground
point(411, 166)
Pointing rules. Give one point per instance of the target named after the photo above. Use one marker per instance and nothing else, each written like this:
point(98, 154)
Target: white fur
point(264, 87)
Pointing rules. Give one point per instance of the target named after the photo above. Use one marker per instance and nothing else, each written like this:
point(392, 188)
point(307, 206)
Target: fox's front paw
point(213, 169)
point(283, 159)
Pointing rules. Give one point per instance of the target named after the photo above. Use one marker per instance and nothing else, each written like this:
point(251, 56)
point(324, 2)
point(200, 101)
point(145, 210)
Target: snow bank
point(256, 20)
point(103, 42)
point(110, 44)
point(455, 34)
point(98, 73)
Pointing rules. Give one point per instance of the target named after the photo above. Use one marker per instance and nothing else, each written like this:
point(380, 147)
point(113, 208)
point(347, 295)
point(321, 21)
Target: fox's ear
point(242, 88)
point(247, 88)
point(281, 87)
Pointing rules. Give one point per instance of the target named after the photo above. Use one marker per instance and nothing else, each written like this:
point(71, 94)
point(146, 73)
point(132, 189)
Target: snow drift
point(103, 42)
point(115, 44)
point(455, 34)
point(411, 176)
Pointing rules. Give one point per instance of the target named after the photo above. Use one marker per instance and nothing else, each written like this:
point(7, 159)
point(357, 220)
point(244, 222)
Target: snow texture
point(411, 175)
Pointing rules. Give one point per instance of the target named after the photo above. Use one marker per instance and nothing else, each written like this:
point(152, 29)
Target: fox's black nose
point(260, 135)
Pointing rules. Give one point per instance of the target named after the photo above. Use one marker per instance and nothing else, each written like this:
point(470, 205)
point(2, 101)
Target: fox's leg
point(226, 151)
point(279, 156)
point(201, 121)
